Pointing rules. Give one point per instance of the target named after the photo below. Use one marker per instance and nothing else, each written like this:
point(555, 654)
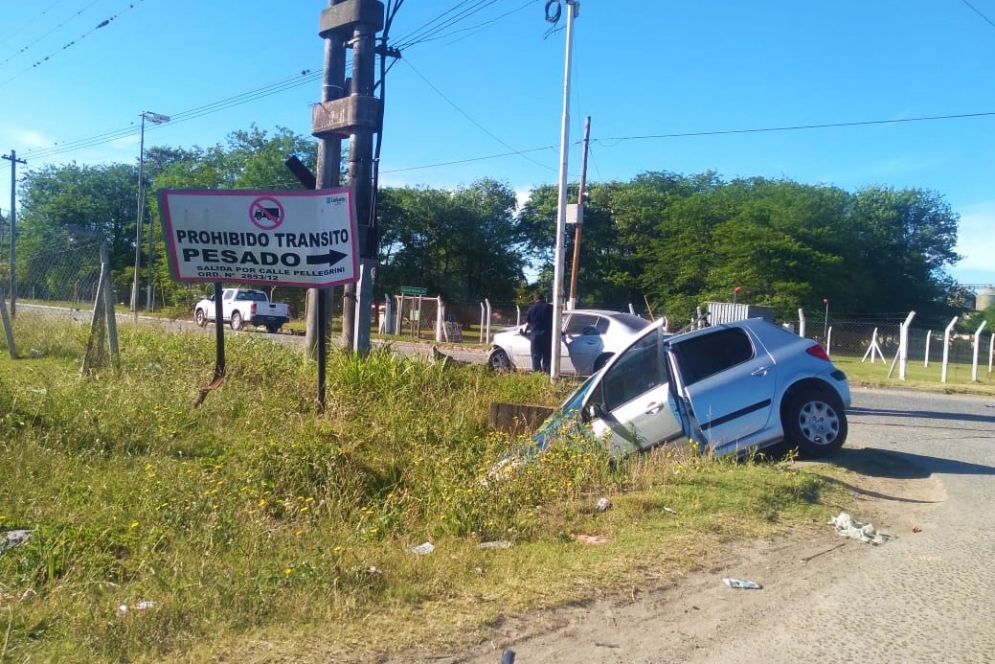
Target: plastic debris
point(603, 505)
point(593, 540)
point(742, 584)
point(143, 605)
point(12, 538)
point(423, 549)
point(497, 544)
point(864, 532)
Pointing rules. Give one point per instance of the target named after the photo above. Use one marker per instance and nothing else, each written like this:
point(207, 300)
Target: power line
point(474, 29)
point(827, 125)
point(426, 33)
point(723, 132)
point(978, 12)
point(102, 24)
point(467, 116)
point(306, 76)
point(467, 161)
point(28, 46)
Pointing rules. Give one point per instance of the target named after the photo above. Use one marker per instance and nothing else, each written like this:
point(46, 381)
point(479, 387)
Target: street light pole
point(154, 118)
point(573, 7)
point(825, 324)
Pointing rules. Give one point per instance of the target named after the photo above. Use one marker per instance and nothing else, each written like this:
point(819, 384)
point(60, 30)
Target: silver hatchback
point(726, 388)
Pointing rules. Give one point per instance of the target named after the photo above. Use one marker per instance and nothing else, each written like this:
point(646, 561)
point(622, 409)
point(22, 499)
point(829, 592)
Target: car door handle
point(762, 371)
point(653, 408)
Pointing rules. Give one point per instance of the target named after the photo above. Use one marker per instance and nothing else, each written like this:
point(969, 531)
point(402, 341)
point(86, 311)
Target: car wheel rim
point(819, 423)
point(500, 362)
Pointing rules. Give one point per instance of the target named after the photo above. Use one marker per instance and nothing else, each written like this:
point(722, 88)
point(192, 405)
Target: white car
point(590, 337)
point(729, 388)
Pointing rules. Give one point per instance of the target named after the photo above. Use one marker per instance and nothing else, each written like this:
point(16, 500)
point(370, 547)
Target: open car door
point(728, 380)
point(631, 403)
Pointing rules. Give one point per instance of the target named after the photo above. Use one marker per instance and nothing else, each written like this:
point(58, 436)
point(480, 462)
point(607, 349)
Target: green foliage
point(257, 513)
point(677, 241)
point(462, 244)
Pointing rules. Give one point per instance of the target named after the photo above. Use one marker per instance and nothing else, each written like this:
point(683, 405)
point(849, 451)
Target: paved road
point(919, 459)
point(923, 598)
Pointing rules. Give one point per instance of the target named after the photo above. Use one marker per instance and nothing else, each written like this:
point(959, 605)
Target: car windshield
point(564, 418)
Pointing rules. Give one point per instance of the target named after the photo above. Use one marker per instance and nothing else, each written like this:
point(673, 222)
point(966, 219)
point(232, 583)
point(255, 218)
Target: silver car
point(590, 337)
point(727, 388)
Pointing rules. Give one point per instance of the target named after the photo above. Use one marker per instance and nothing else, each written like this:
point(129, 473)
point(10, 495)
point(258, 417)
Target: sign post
point(302, 238)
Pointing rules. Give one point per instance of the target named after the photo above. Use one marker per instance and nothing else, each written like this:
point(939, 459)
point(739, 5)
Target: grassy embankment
point(256, 525)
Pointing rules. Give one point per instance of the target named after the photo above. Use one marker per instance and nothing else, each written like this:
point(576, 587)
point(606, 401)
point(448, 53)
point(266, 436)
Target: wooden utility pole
point(14, 161)
point(581, 200)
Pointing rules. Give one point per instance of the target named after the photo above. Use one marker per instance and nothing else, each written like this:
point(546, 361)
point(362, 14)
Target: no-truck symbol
point(266, 213)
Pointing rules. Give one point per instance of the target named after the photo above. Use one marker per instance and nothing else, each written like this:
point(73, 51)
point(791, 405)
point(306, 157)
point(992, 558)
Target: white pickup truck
point(244, 306)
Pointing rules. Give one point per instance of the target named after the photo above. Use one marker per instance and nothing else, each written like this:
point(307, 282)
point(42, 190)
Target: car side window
point(578, 323)
point(708, 354)
point(639, 369)
point(227, 296)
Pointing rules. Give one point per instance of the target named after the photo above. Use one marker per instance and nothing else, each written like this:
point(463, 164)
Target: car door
point(582, 341)
point(631, 403)
point(728, 382)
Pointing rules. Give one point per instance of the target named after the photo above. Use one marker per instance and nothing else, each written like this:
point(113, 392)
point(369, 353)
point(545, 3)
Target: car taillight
point(818, 351)
point(252, 309)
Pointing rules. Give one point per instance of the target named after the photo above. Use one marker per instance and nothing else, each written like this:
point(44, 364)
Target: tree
point(463, 244)
point(904, 240)
point(63, 206)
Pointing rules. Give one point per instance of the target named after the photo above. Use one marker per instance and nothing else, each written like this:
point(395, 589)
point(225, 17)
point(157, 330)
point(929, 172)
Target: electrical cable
point(425, 35)
point(978, 12)
point(477, 124)
point(306, 76)
point(102, 24)
point(28, 46)
point(827, 125)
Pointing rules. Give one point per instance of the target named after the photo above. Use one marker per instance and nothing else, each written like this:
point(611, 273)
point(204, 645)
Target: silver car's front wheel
point(499, 361)
point(815, 423)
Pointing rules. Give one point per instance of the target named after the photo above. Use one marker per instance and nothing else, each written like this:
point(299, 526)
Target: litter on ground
point(864, 532)
point(742, 584)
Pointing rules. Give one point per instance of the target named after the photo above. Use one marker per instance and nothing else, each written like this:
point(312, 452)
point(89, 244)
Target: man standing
point(539, 328)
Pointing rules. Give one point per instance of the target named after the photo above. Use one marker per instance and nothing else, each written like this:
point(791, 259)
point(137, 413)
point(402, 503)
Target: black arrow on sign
point(331, 258)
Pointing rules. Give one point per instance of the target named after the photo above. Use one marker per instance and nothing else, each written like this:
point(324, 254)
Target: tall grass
point(257, 515)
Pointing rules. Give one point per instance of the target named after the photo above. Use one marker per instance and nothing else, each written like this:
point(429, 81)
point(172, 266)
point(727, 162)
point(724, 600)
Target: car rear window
point(706, 355)
point(578, 323)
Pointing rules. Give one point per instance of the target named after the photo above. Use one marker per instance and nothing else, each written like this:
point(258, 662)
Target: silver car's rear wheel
point(815, 423)
point(499, 361)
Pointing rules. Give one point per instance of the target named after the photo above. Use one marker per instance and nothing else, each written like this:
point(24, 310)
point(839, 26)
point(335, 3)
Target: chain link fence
point(53, 297)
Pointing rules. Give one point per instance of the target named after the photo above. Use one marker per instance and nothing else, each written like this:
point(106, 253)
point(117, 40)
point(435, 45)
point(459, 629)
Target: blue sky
point(667, 85)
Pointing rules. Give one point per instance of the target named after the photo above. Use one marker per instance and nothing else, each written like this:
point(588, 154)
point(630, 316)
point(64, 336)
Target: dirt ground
point(698, 610)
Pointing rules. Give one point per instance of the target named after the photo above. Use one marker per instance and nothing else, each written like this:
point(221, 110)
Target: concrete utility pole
point(14, 161)
point(573, 7)
point(355, 23)
point(581, 200)
point(329, 160)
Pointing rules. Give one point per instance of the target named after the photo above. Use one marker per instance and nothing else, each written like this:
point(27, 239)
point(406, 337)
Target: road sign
point(413, 290)
point(286, 238)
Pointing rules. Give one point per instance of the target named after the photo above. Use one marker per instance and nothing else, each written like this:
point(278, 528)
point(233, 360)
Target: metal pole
point(138, 222)
point(14, 161)
point(561, 209)
point(361, 181)
point(580, 215)
point(825, 323)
